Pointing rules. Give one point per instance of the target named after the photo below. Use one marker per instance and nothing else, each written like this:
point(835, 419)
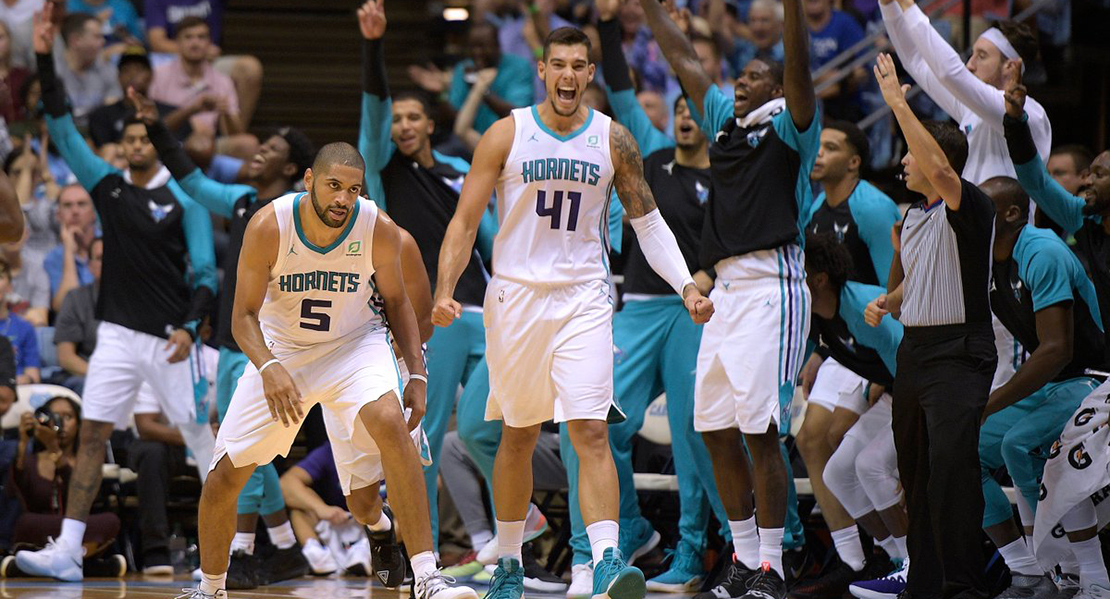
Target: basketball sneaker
point(466, 568)
point(56, 560)
point(282, 564)
point(198, 594)
point(1095, 591)
point(887, 587)
point(242, 571)
point(766, 584)
point(732, 585)
point(1068, 584)
point(581, 582)
point(358, 559)
point(684, 575)
point(637, 538)
point(507, 581)
point(1029, 587)
point(833, 583)
point(319, 558)
point(388, 563)
point(614, 579)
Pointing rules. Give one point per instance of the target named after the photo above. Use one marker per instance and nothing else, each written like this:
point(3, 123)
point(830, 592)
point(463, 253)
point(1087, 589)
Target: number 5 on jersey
point(313, 319)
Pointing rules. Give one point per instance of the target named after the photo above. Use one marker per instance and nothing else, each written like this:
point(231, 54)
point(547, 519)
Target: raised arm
point(905, 46)
point(797, 82)
point(679, 52)
point(464, 120)
point(374, 142)
point(618, 83)
point(926, 151)
point(257, 257)
point(458, 243)
point(656, 239)
point(398, 309)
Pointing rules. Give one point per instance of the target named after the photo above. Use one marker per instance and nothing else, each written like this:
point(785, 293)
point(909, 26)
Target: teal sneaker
point(507, 581)
point(614, 579)
point(636, 539)
point(684, 575)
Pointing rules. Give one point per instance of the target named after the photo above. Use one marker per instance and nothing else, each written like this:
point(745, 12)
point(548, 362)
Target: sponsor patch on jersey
point(593, 142)
point(354, 248)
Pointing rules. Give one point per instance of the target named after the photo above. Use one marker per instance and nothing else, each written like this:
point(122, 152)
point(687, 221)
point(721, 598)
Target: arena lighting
point(455, 14)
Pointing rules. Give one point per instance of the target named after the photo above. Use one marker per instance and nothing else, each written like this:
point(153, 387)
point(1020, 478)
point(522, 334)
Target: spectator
point(119, 21)
point(191, 78)
point(106, 122)
point(90, 81)
point(44, 463)
point(521, 30)
point(9, 506)
point(112, 153)
point(1069, 166)
point(763, 39)
point(75, 327)
point(27, 290)
point(13, 77)
point(21, 334)
point(643, 53)
point(710, 57)
point(36, 187)
point(511, 88)
point(655, 107)
point(832, 32)
point(16, 14)
point(67, 265)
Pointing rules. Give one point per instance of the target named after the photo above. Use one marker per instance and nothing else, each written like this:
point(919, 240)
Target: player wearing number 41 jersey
point(307, 317)
point(548, 316)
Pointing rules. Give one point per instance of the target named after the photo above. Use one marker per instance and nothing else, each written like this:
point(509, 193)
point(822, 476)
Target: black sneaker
point(385, 553)
point(799, 564)
point(242, 571)
point(283, 564)
point(830, 585)
point(766, 584)
point(732, 585)
point(536, 578)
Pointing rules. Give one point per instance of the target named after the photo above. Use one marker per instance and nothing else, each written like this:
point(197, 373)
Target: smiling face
point(755, 87)
point(986, 63)
point(835, 157)
point(687, 134)
point(565, 75)
point(1095, 190)
point(411, 128)
point(271, 162)
point(334, 191)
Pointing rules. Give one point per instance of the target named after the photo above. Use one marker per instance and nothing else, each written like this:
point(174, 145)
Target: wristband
point(419, 377)
point(268, 364)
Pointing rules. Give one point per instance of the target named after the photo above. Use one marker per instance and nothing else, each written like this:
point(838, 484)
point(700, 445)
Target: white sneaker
point(56, 560)
point(435, 586)
point(1095, 591)
point(159, 570)
point(319, 558)
point(358, 559)
point(535, 524)
point(581, 582)
point(197, 594)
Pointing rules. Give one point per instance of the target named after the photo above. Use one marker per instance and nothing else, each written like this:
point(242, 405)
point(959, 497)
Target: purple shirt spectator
point(168, 13)
point(510, 33)
point(320, 466)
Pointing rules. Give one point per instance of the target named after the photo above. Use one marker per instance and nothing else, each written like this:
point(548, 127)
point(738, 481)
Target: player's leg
point(215, 525)
point(113, 381)
point(1081, 524)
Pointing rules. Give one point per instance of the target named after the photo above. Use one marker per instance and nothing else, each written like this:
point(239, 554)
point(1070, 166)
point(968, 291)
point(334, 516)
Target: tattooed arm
point(656, 239)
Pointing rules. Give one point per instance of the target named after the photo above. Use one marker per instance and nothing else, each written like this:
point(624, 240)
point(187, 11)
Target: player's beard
point(322, 211)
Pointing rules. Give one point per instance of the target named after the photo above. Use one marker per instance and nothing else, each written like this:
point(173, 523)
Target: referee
point(938, 288)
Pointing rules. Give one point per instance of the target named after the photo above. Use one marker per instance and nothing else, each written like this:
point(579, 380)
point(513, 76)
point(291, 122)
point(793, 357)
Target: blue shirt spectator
point(836, 35)
point(512, 88)
point(122, 16)
point(26, 345)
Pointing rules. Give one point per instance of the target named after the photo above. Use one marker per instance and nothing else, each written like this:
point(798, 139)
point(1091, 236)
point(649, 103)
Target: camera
point(48, 419)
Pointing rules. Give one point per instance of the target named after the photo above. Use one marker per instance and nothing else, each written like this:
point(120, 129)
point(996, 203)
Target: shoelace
point(762, 585)
point(734, 576)
point(194, 594)
point(608, 567)
point(500, 581)
point(433, 583)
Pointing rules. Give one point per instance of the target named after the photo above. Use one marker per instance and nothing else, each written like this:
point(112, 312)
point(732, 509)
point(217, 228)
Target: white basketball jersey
point(318, 294)
point(553, 202)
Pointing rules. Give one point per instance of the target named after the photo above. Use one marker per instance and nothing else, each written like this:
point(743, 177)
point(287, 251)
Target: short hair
point(775, 8)
point(857, 139)
point(131, 119)
point(338, 152)
point(825, 254)
point(301, 148)
point(75, 23)
point(1080, 155)
point(1008, 192)
point(188, 23)
point(683, 97)
point(417, 96)
point(707, 40)
point(775, 67)
point(567, 36)
point(952, 142)
point(1021, 37)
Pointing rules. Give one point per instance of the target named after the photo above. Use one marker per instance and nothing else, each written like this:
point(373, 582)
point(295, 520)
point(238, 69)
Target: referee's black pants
point(943, 380)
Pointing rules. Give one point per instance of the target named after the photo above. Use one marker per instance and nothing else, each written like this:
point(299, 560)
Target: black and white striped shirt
point(946, 257)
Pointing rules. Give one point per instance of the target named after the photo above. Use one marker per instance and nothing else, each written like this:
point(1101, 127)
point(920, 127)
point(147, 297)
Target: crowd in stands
point(107, 53)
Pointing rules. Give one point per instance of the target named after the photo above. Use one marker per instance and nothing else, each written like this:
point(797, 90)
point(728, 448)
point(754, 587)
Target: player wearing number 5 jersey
point(548, 315)
point(305, 314)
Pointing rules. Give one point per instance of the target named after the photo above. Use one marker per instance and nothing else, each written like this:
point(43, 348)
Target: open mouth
point(685, 129)
point(566, 94)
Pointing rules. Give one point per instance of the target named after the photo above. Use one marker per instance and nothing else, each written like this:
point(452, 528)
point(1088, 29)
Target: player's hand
point(332, 514)
point(143, 106)
point(282, 396)
point(371, 19)
point(416, 400)
point(445, 312)
point(699, 306)
point(875, 311)
point(1015, 91)
point(180, 342)
point(894, 93)
point(43, 29)
point(607, 9)
point(680, 16)
point(809, 373)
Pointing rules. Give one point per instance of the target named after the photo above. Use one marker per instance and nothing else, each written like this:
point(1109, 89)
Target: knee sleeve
point(877, 469)
point(272, 499)
point(841, 478)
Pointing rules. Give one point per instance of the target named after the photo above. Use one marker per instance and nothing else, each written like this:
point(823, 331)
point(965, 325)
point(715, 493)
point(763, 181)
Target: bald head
point(339, 152)
point(1007, 194)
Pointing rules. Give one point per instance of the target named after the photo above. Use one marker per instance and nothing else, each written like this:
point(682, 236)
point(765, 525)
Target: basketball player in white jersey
point(548, 315)
point(306, 316)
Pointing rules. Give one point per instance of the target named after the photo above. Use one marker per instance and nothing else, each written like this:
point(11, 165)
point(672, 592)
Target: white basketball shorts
point(838, 387)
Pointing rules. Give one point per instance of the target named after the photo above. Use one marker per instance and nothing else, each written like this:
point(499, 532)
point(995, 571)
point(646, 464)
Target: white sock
point(383, 523)
point(745, 542)
point(244, 541)
point(1092, 570)
point(282, 535)
point(210, 584)
point(1069, 565)
point(603, 535)
point(312, 543)
point(72, 535)
point(510, 536)
point(770, 548)
point(900, 544)
point(479, 540)
point(423, 564)
point(848, 547)
point(1020, 559)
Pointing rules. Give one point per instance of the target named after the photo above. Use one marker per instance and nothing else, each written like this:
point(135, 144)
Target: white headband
point(994, 36)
